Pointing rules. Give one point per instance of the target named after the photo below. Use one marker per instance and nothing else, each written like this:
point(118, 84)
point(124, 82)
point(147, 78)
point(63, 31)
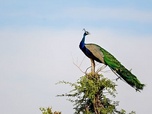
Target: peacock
point(99, 54)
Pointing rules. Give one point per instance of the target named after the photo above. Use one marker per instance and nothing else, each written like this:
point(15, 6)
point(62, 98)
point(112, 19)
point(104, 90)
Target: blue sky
point(56, 14)
point(39, 42)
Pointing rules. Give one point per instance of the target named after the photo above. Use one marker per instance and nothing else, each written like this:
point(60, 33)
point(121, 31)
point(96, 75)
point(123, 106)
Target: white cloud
point(85, 13)
point(127, 14)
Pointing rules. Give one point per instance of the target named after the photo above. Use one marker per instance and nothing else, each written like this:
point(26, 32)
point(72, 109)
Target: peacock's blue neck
point(82, 43)
point(84, 49)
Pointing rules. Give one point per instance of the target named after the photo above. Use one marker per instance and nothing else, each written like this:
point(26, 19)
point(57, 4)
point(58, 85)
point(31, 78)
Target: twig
point(78, 67)
point(101, 68)
point(87, 69)
point(82, 61)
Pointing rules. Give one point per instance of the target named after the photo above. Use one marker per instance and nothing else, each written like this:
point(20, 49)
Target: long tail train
point(128, 77)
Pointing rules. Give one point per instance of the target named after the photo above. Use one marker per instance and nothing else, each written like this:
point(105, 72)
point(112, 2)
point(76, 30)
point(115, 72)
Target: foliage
point(90, 95)
point(48, 111)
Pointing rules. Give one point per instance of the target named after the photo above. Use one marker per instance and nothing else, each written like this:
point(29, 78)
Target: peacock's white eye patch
point(87, 32)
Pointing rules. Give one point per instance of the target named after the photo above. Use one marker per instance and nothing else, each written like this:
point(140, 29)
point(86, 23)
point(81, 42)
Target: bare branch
point(100, 69)
point(87, 69)
point(78, 67)
point(82, 61)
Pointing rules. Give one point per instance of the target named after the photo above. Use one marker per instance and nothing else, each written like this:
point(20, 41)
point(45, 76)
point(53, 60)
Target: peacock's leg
point(92, 67)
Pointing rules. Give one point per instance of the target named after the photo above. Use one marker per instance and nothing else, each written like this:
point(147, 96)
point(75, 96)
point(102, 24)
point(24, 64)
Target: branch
point(78, 67)
point(101, 68)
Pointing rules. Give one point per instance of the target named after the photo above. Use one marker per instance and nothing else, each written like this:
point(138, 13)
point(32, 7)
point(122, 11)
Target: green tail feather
point(129, 78)
point(116, 66)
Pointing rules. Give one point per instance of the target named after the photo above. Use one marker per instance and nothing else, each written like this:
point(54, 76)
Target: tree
point(48, 111)
point(90, 95)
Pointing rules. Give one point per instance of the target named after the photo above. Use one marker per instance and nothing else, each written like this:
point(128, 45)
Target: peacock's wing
point(95, 50)
point(103, 55)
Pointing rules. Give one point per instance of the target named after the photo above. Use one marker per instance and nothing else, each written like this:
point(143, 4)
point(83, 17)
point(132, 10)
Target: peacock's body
point(97, 53)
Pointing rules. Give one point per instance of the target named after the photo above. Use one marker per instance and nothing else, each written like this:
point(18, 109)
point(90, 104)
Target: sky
point(39, 42)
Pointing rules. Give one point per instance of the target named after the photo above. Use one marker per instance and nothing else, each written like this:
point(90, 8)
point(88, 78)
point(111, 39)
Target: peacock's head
point(86, 32)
